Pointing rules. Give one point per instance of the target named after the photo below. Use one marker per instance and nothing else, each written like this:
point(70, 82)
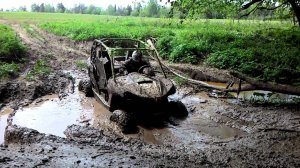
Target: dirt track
point(217, 132)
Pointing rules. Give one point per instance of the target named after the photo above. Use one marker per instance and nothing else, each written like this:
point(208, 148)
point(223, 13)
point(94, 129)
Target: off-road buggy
point(135, 97)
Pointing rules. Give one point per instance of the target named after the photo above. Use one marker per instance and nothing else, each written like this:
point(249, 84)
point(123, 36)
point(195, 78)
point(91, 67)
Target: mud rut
point(217, 132)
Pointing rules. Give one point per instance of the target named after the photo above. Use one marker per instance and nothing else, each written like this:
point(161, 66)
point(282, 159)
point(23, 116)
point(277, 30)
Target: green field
point(266, 50)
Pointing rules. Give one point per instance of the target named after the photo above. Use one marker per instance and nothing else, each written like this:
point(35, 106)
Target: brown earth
point(217, 132)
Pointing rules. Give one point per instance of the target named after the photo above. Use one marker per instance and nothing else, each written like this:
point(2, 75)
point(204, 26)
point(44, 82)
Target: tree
point(111, 10)
point(23, 8)
point(49, 8)
point(243, 8)
point(91, 9)
point(60, 8)
point(294, 6)
point(128, 10)
point(151, 9)
point(35, 7)
point(137, 7)
point(42, 7)
point(79, 8)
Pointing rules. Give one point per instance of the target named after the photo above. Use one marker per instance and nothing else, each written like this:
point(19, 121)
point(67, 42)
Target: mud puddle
point(3, 122)
point(196, 131)
point(52, 115)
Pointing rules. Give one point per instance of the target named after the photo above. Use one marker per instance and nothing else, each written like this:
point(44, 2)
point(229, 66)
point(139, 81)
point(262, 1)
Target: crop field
point(267, 50)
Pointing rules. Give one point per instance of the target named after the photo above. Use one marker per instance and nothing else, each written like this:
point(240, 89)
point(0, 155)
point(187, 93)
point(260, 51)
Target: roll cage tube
point(111, 50)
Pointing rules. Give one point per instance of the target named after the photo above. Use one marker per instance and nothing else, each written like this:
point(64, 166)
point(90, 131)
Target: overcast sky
point(9, 4)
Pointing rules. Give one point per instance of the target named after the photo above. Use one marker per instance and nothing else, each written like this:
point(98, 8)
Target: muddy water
point(197, 130)
point(51, 115)
point(3, 122)
point(54, 115)
point(260, 95)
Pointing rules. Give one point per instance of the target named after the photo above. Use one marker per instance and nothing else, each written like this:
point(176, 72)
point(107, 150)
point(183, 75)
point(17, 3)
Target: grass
point(11, 48)
point(11, 52)
point(40, 68)
point(267, 50)
point(8, 69)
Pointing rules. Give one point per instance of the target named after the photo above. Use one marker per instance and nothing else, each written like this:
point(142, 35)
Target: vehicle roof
point(123, 44)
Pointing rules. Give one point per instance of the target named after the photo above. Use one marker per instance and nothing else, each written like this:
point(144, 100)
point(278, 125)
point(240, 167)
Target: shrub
point(11, 48)
point(7, 69)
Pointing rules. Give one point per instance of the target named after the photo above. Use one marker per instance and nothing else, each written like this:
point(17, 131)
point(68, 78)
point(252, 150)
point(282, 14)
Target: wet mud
point(49, 123)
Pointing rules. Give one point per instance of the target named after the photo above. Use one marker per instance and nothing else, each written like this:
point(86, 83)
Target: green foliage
point(11, 48)
point(222, 9)
point(7, 69)
point(264, 50)
point(270, 56)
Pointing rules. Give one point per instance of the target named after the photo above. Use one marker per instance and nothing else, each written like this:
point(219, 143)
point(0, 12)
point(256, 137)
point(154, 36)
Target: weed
point(11, 48)
point(7, 69)
point(81, 64)
point(39, 68)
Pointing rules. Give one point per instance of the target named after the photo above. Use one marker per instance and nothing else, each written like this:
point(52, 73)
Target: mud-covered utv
point(142, 96)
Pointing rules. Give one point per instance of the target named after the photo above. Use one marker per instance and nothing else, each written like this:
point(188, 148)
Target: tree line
point(150, 9)
point(204, 9)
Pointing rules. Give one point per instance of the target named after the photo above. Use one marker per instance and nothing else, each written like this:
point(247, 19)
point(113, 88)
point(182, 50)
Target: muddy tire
point(85, 86)
point(125, 121)
point(178, 109)
point(114, 102)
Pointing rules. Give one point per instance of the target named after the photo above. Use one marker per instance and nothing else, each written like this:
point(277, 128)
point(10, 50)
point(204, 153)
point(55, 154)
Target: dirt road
point(216, 133)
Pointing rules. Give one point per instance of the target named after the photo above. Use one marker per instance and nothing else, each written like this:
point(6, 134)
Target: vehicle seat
point(128, 55)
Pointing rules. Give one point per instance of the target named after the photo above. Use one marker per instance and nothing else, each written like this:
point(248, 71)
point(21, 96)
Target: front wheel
point(125, 121)
point(85, 86)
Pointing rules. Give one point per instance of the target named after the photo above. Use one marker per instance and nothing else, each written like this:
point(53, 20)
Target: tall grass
point(11, 48)
point(11, 52)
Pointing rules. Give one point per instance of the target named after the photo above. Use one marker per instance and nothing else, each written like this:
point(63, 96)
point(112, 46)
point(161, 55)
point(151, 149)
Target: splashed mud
point(3, 122)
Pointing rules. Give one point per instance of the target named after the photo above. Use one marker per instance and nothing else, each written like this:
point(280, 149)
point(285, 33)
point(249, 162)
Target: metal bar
point(156, 56)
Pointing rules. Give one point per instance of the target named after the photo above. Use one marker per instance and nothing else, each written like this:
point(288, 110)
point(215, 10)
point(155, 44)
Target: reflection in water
point(54, 115)
point(195, 131)
point(3, 122)
point(101, 117)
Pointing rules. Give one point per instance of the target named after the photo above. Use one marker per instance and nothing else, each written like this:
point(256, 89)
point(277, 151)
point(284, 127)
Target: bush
point(39, 68)
point(11, 48)
point(7, 69)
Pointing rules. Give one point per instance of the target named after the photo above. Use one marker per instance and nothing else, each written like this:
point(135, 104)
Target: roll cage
point(109, 50)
